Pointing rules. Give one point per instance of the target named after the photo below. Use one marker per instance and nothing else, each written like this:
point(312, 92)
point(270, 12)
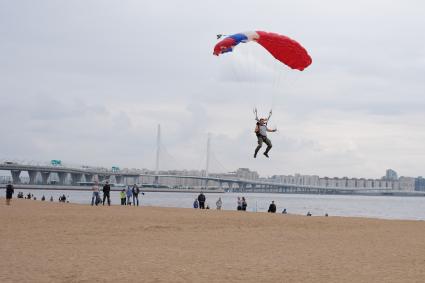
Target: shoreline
point(131, 207)
point(215, 190)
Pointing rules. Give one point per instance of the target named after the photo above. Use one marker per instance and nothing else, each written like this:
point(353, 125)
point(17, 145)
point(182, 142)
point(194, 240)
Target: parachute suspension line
point(234, 71)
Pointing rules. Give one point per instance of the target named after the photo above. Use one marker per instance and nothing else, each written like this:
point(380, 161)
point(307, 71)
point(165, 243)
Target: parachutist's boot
point(255, 153)
point(266, 154)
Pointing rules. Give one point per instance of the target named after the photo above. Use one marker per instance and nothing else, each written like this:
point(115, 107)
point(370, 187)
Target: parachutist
point(261, 130)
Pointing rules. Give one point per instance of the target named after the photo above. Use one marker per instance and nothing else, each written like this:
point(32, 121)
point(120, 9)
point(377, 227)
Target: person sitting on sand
point(272, 207)
point(239, 207)
point(219, 203)
point(309, 213)
point(284, 211)
point(196, 204)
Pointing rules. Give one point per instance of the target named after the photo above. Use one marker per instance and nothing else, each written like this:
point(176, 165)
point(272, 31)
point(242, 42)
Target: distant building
point(245, 173)
point(420, 184)
point(407, 184)
point(391, 175)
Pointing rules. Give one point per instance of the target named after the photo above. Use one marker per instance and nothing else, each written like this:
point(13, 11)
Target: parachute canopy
point(283, 48)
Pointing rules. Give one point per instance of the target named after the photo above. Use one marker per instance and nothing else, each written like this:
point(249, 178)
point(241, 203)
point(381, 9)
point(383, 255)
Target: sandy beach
point(53, 242)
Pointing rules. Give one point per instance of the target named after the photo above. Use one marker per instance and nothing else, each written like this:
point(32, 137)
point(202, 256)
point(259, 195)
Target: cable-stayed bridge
point(71, 175)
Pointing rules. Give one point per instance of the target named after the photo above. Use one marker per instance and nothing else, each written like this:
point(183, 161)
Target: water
point(386, 207)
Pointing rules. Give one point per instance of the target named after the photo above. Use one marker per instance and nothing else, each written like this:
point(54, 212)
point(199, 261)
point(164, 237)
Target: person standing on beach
point(219, 203)
point(106, 193)
point(201, 199)
point(129, 193)
point(95, 196)
point(122, 197)
point(135, 190)
point(272, 207)
point(9, 192)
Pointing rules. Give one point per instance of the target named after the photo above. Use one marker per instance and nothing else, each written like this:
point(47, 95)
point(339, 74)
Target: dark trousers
point(135, 198)
point(202, 204)
point(266, 140)
point(106, 195)
point(123, 201)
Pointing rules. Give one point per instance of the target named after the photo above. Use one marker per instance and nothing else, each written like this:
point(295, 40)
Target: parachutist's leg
point(260, 144)
point(269, 145)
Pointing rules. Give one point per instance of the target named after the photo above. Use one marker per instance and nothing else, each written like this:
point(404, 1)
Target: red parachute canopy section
point(283, 48)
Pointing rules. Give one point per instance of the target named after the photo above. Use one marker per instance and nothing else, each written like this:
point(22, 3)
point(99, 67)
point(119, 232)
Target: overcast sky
point(88, 82)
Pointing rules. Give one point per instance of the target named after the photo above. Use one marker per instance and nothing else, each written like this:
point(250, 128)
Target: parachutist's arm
point(271, 130)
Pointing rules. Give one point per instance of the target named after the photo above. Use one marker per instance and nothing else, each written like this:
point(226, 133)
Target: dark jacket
point(201, 198)
point(136, 190)
point(9, 191)
point(106, 188)
point(272, 208)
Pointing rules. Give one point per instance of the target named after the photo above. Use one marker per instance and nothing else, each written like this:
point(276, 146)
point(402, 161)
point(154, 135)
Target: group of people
point(200, 202)
point(127, 196)
point(95, 199)
point(130, 196)
point(242, 204)
point(131, 193)
point(10, 190)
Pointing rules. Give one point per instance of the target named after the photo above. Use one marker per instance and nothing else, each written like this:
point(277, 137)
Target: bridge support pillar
point(44, 177)
point(156, 181)
point(253, 186)
point(135, 179)
point(230, 186)
point(88, 177)
point(16, 176)
point(104, 178)
point(119, 179)
point(33, 175)
point(76, 178)
point(62, 177)
point(241, 187)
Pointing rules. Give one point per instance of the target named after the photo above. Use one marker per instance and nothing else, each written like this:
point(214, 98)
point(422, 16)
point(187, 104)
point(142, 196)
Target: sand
point(52, 242)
